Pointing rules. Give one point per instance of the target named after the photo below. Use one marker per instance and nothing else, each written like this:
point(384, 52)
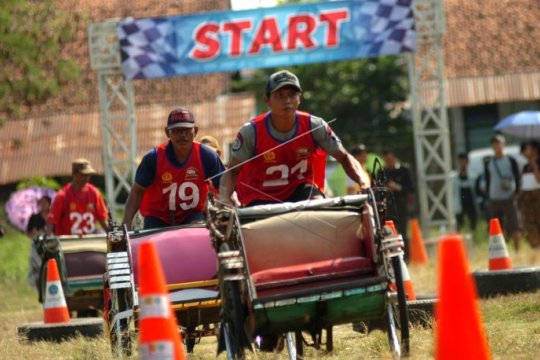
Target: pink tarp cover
point(186, 254)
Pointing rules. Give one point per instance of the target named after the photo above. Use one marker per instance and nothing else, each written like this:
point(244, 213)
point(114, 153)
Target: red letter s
point(207, 44)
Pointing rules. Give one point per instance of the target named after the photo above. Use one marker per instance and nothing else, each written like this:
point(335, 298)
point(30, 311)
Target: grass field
point(512, 323)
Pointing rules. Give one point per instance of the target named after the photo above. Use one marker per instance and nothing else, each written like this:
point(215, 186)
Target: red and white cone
point(159, 337)
point(55, 308)
point(498, 254)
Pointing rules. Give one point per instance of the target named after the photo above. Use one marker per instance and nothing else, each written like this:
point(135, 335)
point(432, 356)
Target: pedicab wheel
point(232, 324)
point(120, 331)
point(329, 339)
point(503, 282)
point(299, 342)
point(39, 331)
point(189, 341)
point(398, 315)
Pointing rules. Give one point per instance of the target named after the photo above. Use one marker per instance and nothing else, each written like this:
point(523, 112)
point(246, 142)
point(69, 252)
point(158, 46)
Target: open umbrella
point(23, 203)
point(525, 124)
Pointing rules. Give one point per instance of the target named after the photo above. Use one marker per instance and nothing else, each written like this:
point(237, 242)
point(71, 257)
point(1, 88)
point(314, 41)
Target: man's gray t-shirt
point(244, 145)
point(500, 171)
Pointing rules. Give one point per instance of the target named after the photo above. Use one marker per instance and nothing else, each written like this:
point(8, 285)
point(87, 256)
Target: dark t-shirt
point(402, 176)
point(210, 160)
point(36, 222)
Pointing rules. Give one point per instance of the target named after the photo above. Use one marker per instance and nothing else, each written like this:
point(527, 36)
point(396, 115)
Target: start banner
point(267, 37)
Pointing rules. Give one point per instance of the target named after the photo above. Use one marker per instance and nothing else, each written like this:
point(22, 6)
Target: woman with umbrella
point(529, 197)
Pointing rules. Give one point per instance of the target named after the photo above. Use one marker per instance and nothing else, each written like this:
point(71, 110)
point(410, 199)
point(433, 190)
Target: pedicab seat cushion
point(85, 256)
point(85, 264)
point(306, 246)
point(334, 267)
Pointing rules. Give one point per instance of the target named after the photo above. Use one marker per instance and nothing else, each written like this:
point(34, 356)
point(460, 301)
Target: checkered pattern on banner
point(391, 29)
point(149, 48)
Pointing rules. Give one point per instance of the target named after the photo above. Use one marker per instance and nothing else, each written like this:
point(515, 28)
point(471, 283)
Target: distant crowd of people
point(502, 191)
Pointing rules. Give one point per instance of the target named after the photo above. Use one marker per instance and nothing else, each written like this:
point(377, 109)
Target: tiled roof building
point(492, 51)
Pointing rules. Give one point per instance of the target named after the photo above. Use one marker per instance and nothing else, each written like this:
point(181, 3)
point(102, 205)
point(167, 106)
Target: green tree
point(33, 69)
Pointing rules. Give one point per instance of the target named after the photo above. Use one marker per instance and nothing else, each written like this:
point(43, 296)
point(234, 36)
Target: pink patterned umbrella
point(23, 203)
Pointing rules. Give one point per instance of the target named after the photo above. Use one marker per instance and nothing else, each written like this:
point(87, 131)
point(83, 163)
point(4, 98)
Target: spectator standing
point(171, 182)
point(529, 196)
point(36, 225)
point(399, 180)
point(79, 205)
point(360, 153)
point(467, 198)
point(502, 186)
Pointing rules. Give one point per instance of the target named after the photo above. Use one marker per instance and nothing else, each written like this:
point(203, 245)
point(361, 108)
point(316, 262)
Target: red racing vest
point(176, 193)
point(276, 174)
point(76, 212)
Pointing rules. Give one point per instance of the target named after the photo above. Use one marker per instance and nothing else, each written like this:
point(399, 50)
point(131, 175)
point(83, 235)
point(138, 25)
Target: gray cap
point(280, 79)
point(498, 138)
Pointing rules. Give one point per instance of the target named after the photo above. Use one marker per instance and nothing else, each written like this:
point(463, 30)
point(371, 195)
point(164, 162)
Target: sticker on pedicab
point(355, 292)
point(269, 156)
point(192, 173)
point(237, 144)
point(154, 306)
point(302, 152)
point(166, 177)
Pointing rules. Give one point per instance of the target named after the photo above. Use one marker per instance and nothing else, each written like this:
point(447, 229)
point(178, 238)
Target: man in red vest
point(171, 184)
point(77, 206)
point(280, 155)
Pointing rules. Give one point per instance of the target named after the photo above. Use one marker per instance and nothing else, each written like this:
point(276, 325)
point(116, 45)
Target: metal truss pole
point(117, 112)
point(430, 122)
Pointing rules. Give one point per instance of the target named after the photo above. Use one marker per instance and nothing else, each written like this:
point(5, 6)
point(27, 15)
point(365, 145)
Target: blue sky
point(251, 4)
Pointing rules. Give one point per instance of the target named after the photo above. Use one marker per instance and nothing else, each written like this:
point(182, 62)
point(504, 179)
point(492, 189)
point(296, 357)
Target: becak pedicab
point(81, 264)
point(80, 261)
point(308, 266)
point(189, 265)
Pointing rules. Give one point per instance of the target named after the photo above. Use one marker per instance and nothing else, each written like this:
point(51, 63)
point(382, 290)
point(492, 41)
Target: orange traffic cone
point(55, 307)
point(418, 253)
point(407, 283)
point(459, 333)
point(498, 254)
point(159, 337)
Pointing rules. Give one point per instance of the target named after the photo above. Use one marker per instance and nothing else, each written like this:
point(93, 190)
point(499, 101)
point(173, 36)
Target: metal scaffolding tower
point(430, 122)
point(117, 110)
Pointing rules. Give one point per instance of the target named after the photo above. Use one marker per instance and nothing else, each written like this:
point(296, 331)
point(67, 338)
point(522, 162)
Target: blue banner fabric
point(268, 37)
